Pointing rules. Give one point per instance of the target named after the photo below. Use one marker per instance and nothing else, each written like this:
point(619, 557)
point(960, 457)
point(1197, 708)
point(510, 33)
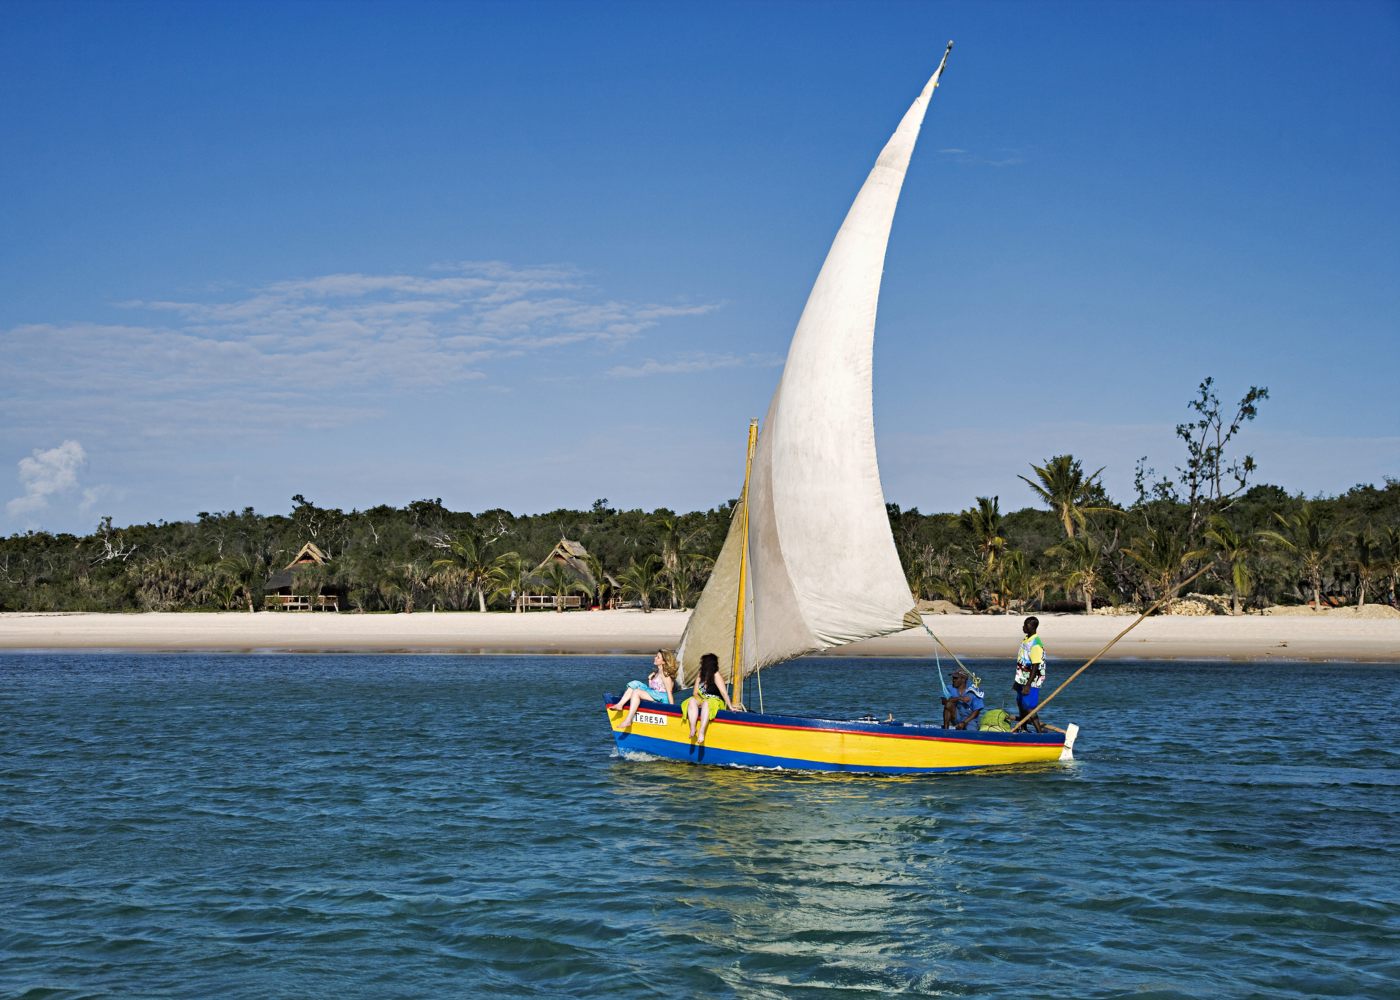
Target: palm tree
point(226, 588)
point(514, 572)
point(471, 566)
point(600, 579)
point(1162, 553)
point(1061, 484)
point(1019, 578)
point(961, 585)
point(677, 559)
point(1312, 541)
point(1237, 550)
point(246, 570)
point(1366, 561)
point(920, 577)
point(690, 568)
point(1080, 560)
point(391, 590)
point(984, 523)
point(672, 542)
point(1390, 556)
point(561, 581)
point(413, 579)
point(641, 578)
point(168, 583)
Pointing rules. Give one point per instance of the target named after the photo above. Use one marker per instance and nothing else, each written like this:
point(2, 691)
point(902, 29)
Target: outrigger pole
point(736, 679)
point(1169, 595)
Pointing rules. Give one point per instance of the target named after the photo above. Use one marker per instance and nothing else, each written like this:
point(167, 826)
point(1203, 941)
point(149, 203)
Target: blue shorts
point(1026, 702)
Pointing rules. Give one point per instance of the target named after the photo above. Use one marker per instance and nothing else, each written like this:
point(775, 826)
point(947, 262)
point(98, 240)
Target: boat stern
point(1071, 733)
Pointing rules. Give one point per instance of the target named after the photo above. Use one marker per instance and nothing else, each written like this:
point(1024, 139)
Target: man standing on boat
point(1030, 672)
point(960, 710)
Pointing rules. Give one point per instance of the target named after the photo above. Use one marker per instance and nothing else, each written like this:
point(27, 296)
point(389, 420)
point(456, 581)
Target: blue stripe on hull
point(692, 754)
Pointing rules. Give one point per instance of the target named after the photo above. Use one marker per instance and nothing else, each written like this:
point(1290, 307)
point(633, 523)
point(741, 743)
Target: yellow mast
point(736, 673)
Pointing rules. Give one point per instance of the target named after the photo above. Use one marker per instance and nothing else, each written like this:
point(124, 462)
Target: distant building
point(296, 588)
point(539, 590)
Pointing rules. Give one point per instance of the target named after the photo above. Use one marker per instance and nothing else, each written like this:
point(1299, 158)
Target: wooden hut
point(574, 558)
point(292, 589)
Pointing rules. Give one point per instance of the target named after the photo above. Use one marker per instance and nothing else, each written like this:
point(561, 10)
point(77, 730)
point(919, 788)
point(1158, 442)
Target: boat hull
point(750, 739)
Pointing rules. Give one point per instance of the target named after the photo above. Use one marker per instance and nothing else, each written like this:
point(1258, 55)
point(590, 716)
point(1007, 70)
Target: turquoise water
point(376, 826)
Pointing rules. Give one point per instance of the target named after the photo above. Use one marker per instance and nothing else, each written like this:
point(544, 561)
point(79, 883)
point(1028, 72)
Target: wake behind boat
point(809, 563)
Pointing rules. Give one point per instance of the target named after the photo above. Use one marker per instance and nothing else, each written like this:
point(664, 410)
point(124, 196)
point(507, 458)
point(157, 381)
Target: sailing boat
point(809, 563)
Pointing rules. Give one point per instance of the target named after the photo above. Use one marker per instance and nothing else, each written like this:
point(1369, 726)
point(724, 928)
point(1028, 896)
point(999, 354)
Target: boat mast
point(736, 673)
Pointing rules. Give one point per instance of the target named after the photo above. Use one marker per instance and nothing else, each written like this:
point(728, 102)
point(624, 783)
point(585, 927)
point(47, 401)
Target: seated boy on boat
point(965, 703)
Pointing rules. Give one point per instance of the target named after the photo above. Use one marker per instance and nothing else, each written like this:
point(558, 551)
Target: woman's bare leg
point(691, 711)
point(637, 698)
point(704, 721)
point(627, 703)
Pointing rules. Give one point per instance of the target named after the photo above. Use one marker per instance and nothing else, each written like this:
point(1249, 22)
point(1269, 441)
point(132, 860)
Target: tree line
point(1077, 550)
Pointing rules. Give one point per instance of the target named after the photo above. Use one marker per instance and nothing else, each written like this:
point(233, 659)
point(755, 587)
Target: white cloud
point(694, 363)
point(45, 474)
point(312, 351)
point(1007, 157)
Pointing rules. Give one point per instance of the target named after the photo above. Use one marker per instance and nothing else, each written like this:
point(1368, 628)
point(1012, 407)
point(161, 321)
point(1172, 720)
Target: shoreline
point(1318, 637)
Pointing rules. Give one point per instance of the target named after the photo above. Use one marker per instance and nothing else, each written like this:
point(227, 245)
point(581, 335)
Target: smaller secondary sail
point(823, 569)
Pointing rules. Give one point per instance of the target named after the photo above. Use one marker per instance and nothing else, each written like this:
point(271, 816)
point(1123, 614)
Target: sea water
point(414, 826)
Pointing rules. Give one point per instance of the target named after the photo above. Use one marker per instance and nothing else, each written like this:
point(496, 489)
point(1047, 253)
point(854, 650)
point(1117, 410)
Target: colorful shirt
point(1030, 662)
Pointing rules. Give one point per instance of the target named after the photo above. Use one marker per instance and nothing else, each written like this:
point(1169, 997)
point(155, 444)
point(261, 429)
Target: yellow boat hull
point(750, 739)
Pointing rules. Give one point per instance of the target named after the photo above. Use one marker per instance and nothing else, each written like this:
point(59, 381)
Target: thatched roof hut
point(310, 555)
point(574, 557)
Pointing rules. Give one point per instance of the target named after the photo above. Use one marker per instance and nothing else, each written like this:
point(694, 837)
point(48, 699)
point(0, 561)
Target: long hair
point(709, 667)
point(669, 662)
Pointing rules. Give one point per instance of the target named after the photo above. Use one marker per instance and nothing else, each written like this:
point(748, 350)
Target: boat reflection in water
point(824, 878)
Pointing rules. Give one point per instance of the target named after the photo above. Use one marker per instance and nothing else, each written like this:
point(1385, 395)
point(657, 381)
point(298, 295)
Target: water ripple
point(420, 826)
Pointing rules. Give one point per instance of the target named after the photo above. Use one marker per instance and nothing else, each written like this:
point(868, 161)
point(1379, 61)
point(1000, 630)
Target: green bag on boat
point(995, 720)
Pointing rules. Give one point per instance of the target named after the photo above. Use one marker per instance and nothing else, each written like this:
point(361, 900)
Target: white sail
point(823, 570)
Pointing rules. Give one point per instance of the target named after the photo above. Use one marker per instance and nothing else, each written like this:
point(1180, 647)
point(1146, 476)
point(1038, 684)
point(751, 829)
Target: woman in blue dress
point(660, 686)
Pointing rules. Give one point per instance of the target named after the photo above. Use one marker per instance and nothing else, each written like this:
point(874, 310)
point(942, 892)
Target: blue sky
point(532, 254)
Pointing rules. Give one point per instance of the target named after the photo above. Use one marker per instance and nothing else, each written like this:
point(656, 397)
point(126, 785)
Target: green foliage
point(1061, 484)
point(468, 568)
point(1235, 550)
point(1310, 535)
point(641, 578)
point(1269, 547)
point(1211, 479)
point(984, 527)
point(1080, 566)
point(560, 582)
point(1162, 553)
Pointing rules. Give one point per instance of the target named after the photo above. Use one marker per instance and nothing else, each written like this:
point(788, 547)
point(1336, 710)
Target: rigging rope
point(937, 661)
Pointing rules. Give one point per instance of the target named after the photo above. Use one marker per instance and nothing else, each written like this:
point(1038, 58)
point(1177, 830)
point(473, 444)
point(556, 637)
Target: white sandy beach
point(1334, 635)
